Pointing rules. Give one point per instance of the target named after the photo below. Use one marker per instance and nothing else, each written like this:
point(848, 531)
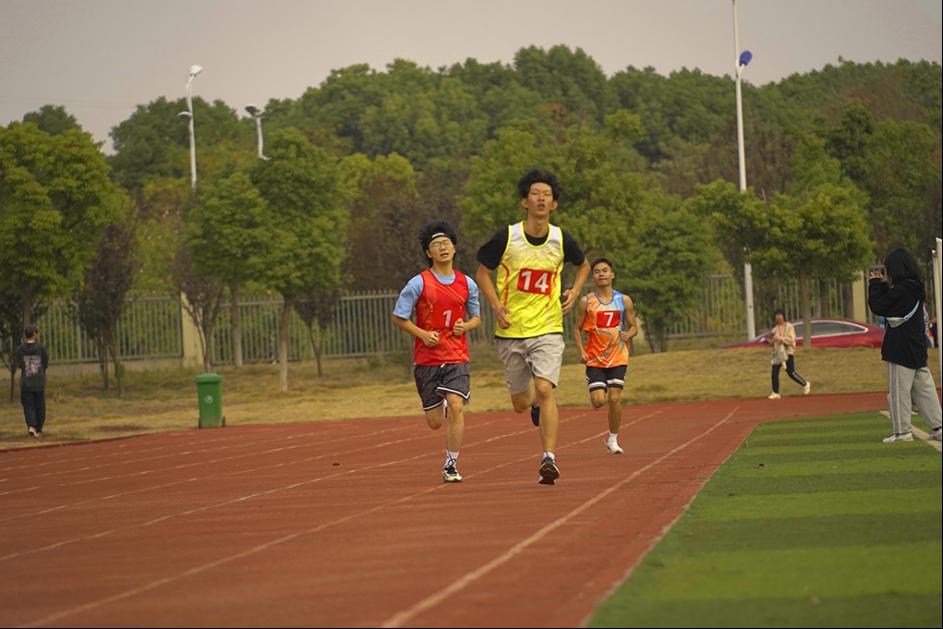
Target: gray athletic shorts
point(433, 382)
point(524, 359)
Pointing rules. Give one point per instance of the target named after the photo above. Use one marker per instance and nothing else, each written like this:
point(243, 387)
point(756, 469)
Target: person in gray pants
point(899, 298)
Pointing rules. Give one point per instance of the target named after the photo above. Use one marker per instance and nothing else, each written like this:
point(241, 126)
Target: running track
point(347, 523)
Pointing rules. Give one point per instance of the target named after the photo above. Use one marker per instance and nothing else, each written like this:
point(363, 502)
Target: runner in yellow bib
point(528, 258)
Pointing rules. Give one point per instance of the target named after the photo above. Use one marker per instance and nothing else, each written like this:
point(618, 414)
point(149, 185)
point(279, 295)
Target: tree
point(99, 303)
point(52, 119)
point(818, 229)
point(316, 309)
point(230, 234)
point(154, 142)
point(202, 298)
point(664, 265)
point(384, 217)
point(55, 200)
point(300, 185)
point(900, 169)
point(11, 331)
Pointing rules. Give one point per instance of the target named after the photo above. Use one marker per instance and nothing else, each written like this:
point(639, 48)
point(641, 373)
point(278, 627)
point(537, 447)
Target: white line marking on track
point(261, 547)
point(403, 617)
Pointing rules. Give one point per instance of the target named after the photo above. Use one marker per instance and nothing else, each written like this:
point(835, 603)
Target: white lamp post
point(256, 113)
point(188, 114)
point(742, 59)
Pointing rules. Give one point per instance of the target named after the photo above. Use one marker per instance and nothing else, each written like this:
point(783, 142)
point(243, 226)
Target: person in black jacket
point(909, 381)
point(32, 359)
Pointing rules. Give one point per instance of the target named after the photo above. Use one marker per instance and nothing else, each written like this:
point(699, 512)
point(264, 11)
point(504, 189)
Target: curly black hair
point(433, 230)
point(539, 176)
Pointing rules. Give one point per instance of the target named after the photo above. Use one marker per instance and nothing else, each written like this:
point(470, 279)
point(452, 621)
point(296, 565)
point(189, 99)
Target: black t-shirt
point(491, 252)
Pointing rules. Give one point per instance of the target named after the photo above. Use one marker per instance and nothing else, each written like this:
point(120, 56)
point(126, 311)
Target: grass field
point(78, 410)
point(812, 523)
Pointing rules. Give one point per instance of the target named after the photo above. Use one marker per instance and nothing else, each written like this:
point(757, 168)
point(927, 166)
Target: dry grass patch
point(166, 400)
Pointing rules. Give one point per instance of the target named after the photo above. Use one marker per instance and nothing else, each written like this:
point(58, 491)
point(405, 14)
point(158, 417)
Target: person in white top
point(783, 339)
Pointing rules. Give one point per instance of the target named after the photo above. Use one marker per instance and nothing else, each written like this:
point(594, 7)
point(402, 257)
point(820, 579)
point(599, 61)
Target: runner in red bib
point(445, 303)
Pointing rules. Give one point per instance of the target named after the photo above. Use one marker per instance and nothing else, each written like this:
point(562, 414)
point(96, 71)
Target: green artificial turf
point(811, 523)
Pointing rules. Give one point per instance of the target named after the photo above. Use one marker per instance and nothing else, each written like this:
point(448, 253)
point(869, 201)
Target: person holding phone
point(899, 298)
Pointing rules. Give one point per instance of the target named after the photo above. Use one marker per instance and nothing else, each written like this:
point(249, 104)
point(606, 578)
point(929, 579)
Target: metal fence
point(149, 328)
point(152, 327)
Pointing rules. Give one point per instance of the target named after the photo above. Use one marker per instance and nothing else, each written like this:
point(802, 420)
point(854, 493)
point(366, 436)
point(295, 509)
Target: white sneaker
point(773, 396)
point(450, 474)
point(935, 435)
point(807, 388)
point(904, 437)
point(614, 447)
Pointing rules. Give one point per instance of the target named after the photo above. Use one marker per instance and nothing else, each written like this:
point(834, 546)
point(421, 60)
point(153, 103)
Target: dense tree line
point(842, 163)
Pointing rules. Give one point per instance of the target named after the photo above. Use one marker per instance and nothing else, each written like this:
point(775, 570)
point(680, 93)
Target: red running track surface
point(348, 524)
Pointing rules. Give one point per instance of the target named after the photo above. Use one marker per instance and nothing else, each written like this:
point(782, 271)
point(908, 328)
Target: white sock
point(550, 456)
point(613, 437)
point(451, 458)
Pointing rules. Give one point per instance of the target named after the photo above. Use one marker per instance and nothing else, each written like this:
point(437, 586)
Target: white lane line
point(202, 568)
point(100, 534)
point(192, 451)
point(264, 546)
point(403, 617)
point(178, 467)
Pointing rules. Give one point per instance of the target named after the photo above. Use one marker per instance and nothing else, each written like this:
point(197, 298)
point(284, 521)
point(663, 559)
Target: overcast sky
point(101, 58)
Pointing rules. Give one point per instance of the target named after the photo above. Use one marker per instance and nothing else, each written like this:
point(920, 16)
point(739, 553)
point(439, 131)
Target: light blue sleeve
point(472, 307)
point(408, 298)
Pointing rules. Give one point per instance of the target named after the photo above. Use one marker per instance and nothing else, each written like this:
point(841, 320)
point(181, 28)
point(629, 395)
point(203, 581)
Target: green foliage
point(160, 206)
point(385, 217)
point(900, 169)
point(300, 186)
point(98, 304)
point(230, 232)
point(664, 268)
point(155, 142)
point(416, 144)
point(55, 200)
point(52, 119)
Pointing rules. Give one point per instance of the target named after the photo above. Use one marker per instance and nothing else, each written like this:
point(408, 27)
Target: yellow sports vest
point(529, 284)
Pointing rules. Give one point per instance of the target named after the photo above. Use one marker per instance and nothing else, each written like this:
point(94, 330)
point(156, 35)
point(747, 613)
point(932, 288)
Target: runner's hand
point(568, 299)
point(503, 316)
point(429, 338)
point(459, 328)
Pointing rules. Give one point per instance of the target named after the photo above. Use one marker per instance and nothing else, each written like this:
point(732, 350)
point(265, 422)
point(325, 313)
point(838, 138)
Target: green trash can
point(210, 400)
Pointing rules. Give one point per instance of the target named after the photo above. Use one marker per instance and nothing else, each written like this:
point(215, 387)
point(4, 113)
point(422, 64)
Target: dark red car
point(828, 333)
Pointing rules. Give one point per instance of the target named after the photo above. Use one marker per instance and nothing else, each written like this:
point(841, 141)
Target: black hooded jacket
point(905, 345)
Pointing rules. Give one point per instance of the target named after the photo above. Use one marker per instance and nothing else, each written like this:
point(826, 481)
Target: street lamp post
point(188, 114)
point(256, 113)
point(742, 59)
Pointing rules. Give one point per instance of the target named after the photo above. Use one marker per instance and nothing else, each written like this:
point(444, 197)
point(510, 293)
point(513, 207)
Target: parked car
point(828, 333)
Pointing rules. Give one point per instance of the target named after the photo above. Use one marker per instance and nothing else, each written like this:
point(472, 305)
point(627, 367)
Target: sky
point(101, 58)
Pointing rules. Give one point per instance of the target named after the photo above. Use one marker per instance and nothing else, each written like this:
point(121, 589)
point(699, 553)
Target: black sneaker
point(451, 475)
point(535, 414)
point(549, 472)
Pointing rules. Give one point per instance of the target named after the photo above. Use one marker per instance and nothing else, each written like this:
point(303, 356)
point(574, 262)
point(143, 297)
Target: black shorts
point(433, 382)
point(605, 377)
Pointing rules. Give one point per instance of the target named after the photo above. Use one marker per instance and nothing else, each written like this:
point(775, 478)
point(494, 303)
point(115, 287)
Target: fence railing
point(152, 327)
point(149, 328)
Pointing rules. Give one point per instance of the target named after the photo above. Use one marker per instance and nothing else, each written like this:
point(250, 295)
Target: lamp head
point(194, 70)
point(254, 111)
point(745, 57)
point(184, 115)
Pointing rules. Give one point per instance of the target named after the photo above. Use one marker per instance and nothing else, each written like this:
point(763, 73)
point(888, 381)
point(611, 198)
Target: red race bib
point(534, 281)
point(608, 318)
point(444, 320)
